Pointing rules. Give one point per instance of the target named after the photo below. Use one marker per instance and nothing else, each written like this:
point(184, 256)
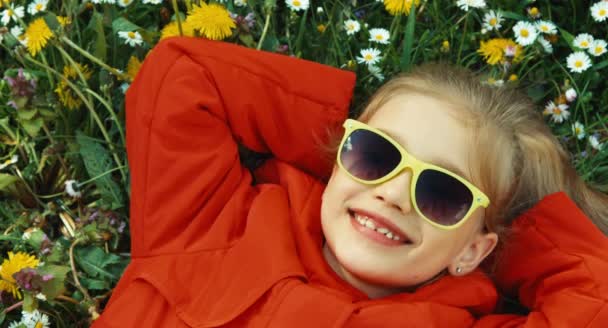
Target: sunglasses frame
point(417, 166)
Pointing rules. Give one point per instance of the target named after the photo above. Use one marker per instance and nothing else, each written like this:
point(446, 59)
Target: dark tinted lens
point(442, 198)
point(368, 156)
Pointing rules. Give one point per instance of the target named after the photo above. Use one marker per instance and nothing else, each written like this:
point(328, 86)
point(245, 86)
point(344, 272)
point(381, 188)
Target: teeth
point(368, 223)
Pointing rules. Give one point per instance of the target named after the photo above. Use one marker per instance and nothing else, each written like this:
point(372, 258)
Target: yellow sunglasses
point(443, 198)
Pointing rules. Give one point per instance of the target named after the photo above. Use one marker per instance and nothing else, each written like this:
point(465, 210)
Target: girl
point(421, 188)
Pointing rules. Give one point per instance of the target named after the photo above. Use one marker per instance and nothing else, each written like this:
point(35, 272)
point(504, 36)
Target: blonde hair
point(516, 159)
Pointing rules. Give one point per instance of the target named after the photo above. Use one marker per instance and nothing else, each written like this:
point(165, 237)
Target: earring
point(458, 270)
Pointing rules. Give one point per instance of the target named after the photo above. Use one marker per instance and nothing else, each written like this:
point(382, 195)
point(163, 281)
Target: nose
point(396, 191)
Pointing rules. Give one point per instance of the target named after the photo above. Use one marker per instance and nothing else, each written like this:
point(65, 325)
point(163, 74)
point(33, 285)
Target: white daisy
point(583, 41)
point(124, 3)
point(37, 6)
point(376, 72)
point(72, 188)
point(492, 20)
point(352, 26)
point(578, 62)
point(578, 129)
point(16, 31)
point(239, 3)
point(35, 319)
point(599, 11)
point(10, 161)
point(297, 5)
point(158, 2)
point(598, 47)
point(525, 33)
point(379, 35)
point(547, 46)
point(466, 4)
point(549, 107)
point(13, 13)
point(369, 56)
point(131, 38)
point(15, 324)
point(546, 27)
point(560, 113)
point(320, 10)
point(570, 95)
point(595, 143)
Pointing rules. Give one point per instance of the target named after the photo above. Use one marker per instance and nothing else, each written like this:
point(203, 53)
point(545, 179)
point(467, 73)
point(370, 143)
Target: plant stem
point(266, 25)
point(94, 59)
point(464, 34)
point(177, 17)
point(12, 307)
point(75, 273)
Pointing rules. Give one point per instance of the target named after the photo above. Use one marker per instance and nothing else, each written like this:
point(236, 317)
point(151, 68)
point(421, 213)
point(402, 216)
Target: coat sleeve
point(190, 105)
point(557, 265)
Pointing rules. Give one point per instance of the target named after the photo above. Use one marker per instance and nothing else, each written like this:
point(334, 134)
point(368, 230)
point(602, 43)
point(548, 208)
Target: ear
point(472, 254)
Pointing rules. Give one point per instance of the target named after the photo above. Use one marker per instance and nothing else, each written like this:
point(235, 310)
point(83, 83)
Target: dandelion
point(583, 40)
point(466, 4)
point(578, 62)
point(211, 21)
point(547, 46)
point(172, 29)
point(395, 7)
point(321, 28)
point(15, 263)
point(492, 20)
point(72, 189)
point(513, 77)
point(595, 143)
point(37, 34)
point(352, 26)
point(35, 319)
point(570, 95)
point(297, 5)
point(64, 20)
point(124, 3)
point(12, 13)
point(546, 27)
point(133, 67)
point(10, 161)
point(369, 56)
point(597, 48)
point(525, 33)
point(67, 96)
point(131, 38)
point(578, 129)
point(445, 46)
point(37, 6)
point(379, 35)
point(599, 11)
point(534, 12)
point(496, 50)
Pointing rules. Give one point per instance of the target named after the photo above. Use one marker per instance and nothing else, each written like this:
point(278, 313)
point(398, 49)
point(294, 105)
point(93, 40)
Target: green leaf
point(512, 15)
point(56, 286)
point(406, 55)
point(100, 49)
point(47, 113)
point(32, 127)
point(97, 263)
point(26, 114)
point(97, 162)
point(7, 180)
point(569, 38)
point(122, 24)
point(29, 302)
point(94, 284)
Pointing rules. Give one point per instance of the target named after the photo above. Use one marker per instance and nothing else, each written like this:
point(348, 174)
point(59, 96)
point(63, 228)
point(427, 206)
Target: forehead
point(428, 128)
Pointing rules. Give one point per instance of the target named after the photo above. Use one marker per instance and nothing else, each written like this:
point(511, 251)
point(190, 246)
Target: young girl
point(421, 189)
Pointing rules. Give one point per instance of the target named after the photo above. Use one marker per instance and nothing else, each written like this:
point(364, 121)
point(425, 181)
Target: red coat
point(210, 249)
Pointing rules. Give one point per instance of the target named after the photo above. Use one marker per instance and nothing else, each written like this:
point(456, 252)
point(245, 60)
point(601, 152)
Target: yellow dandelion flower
point(395, 7)
point(445, 46)
point(12, 265)
point(211, 21)
point(64, 20)
point(172, 29)
point(513, 77)
point(67, 96)
point(37, 35)
point(133, 67)
point(321, 28)
point(496, 50)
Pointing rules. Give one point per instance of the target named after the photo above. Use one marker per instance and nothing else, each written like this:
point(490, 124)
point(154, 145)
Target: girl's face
point(425, 127)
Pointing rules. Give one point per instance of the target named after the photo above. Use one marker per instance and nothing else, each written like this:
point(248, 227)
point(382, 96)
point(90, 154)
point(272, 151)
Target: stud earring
point(458, 270)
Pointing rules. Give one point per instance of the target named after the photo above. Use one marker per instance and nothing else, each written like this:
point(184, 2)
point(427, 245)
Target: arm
point(191, 102)
point(557, 263)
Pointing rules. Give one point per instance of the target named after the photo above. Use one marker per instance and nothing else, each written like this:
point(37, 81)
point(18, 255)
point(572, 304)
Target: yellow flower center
point(38, 6)
point(513, 77)
point(131, 35)
point(39, 325)
point(544, 28)
point(602, 12)
point(584, 44)
point(533, 11)
point(379, 37)
point(578, 64)
point(297, 3)
point(525, 33)
point(557, 111)
point(599, 50)
point(369, 57)
point(126, 2)
point(577, 130)
point(493, 21)
point(10, 13)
